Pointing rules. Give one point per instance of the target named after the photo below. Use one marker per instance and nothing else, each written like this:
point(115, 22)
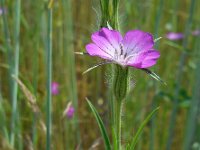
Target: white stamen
point(81, 53)
point(157, 39)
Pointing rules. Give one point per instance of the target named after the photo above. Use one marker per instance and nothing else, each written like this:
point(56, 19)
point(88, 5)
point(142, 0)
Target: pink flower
point(2, 10)
point(54, 88)
point(69, 111)
point(196, 32)
point(174, 36)
point(135, 49)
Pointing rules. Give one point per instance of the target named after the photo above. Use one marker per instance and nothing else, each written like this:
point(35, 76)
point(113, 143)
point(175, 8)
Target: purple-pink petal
point(108, 40)
point(94, 50)
point(174, 36)
point(145, 59)
point(136, 40)
point(113, 37)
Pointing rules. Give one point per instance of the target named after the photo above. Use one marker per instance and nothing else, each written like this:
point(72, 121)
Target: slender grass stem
point(15, 70)
point(179, 77)
point(35, 85)
point(154, 105)
point(70, 58)
point(49, 79)
point(193, 111)
point(8, 55)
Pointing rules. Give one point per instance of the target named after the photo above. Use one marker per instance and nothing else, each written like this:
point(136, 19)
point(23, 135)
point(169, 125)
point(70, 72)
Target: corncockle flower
point(69, 111)
point(196, 32)
point(135, 49)
point(54, 88)
point(174, 36)
point(2, 10)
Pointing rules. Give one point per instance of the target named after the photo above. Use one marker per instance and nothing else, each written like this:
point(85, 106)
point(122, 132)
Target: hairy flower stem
point(118, 114)
point(120, 88)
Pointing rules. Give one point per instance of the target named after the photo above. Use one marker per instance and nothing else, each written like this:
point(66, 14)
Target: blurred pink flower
point(54, 88)
point(174, 36)
point(196, 32)
point(69, 111)
point(2, 10)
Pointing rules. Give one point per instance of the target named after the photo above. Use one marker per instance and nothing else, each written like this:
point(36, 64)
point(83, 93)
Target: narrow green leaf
point(154, 75)
point(139, 131)
point(101, 126)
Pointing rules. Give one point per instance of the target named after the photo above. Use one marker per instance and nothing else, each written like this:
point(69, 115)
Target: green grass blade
point(49, 78)
point(139, 131)
point(191, 124)
point(15, 71)
point(101, 126)
point(68, 25)
point(179, 77)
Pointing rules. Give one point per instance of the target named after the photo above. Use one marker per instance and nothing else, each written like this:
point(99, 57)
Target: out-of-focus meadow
point(24, 53)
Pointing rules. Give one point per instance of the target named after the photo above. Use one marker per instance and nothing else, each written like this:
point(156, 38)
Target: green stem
point(120, 88)
point(49, 79)
point(70, 61)
point(115, 14)
point(15, 71)
point(179, 76)
point(191, 124)
point(118, 123)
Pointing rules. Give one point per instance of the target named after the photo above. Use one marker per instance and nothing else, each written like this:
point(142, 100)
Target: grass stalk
point(118, 123)
point(193, 110)
point(49, 78)
point(154, 105)
point(35, 85)
point(179, 76)
point(15, 70)
point(8, 55)
point(69, 49)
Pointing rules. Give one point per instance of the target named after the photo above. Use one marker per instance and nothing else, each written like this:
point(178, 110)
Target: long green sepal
point(101, 126)
point(139, 131)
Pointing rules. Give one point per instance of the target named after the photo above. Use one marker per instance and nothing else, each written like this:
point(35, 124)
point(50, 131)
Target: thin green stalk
point(179, 76)
point(105, 12)
point(193, 111)
point(3, 128)
point(15, 70)
point(35, 84)
point(49, 79)
point(7, 43)
point(154, 105)
point(8, 54)
point(116, 15)
point(70, 58)
point(118, 123)
point(174, 14)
